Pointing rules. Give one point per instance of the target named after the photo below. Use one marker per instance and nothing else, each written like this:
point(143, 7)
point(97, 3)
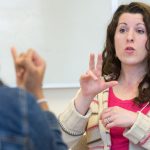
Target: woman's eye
point(122, 30)
point(140, 31)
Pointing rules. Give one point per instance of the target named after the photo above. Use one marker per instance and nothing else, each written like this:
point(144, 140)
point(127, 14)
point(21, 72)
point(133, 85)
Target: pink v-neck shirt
point(119, 142)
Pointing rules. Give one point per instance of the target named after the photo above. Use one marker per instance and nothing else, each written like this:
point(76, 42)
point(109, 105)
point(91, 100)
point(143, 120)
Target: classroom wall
point(59, 98)
point(63, 32)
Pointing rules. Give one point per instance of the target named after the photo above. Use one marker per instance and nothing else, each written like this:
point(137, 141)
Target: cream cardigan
point(74, 127)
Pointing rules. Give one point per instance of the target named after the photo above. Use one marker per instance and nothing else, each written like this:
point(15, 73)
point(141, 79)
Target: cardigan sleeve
point(139, 133)
point(73, 124)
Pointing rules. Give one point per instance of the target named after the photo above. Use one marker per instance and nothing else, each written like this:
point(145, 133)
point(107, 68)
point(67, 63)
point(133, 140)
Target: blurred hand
point(30, 69)
point(118, 117)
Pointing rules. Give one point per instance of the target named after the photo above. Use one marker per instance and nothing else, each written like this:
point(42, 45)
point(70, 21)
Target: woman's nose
point(130, 36)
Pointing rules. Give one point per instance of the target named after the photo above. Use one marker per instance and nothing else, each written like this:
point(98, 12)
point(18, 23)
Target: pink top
point(119, 142)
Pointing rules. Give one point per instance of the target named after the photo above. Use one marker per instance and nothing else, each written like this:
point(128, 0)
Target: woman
point(111, 110)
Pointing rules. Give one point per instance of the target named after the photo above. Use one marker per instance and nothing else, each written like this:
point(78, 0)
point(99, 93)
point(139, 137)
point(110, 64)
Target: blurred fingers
point(19, 61)
point(20, 72)
point(14, 53)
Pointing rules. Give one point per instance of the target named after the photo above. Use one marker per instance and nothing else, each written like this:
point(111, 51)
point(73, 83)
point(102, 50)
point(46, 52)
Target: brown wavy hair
point(111, 64)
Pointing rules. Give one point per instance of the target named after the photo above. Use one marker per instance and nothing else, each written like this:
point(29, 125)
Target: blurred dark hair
point(111, 64)
point(1, 83)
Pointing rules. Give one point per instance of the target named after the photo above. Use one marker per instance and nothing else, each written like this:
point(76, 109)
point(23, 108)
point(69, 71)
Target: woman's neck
point(128, 82)
point(131, 75)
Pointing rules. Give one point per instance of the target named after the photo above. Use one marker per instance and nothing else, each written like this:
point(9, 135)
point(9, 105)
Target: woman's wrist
point(82, 103)
point(134, 116)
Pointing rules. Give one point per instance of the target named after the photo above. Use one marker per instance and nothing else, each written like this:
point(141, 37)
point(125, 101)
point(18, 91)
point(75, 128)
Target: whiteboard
point(63, 32)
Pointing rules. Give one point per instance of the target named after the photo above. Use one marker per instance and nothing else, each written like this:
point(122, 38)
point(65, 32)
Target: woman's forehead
point(131, 18)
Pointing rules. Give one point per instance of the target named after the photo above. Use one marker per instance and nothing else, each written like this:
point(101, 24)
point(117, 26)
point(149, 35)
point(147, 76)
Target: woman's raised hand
point(91, 84)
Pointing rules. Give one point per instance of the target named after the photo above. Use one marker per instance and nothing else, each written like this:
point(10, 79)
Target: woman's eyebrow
point(122, 23)
point(140, 24)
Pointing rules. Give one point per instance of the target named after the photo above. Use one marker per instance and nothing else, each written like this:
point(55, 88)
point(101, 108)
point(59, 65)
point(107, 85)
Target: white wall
point(59, 98)
point(64, 32)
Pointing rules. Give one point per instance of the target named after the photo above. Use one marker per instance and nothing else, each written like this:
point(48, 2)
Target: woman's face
point(130, 39)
